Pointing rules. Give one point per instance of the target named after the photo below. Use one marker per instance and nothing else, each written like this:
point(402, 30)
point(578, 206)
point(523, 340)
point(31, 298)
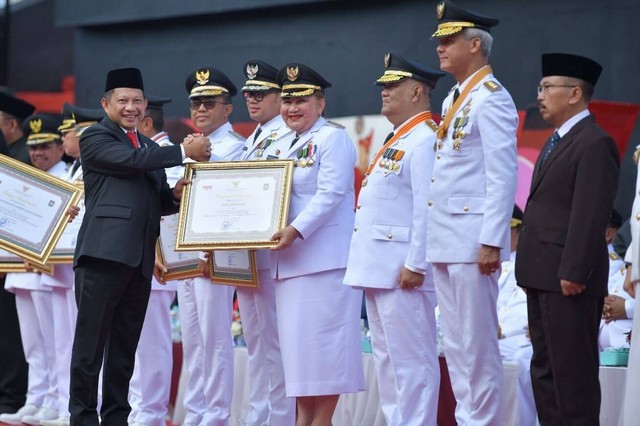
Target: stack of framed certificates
point(231, 209)
point(33, 215)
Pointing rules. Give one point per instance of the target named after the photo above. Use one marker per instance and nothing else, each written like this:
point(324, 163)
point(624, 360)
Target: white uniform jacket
point(633, 252)
point(322, 201)
point(226, 145)
point(391, 218)
point(272, 130)
point(617, 329)
point(512, 304)
point(473, 187)
point(74, 175)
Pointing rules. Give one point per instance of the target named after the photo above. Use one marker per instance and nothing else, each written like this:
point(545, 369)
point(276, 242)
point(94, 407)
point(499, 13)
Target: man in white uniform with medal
point(471, 200)
point(388, 248)
point(268, 403)
point(205, 309)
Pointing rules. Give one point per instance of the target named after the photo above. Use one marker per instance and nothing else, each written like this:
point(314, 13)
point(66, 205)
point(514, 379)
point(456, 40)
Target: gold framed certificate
point(10, 262)
point(66, 247)
point(33, 212)
point(234, 267)
point(180, 264)
point(234, 205)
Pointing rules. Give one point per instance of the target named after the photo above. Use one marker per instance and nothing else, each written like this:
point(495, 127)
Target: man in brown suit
point(562, 253)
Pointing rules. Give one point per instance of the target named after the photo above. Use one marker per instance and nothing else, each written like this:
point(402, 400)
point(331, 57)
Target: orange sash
point(420, 118)
point(444, 124)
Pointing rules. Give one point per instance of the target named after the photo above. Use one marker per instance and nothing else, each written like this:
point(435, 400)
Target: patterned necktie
point(456, 95)
point(255, 137)
point(133, 137)
point(553, 141)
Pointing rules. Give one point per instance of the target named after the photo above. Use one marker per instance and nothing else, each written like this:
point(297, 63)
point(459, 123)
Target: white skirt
point(319, 327)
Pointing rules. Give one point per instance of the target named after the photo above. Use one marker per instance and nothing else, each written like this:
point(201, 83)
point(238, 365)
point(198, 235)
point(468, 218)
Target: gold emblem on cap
point(252, 71)
point(36, 125)
point(387, 60)
point(440, 9)
point(293, 73)
point(202, 77)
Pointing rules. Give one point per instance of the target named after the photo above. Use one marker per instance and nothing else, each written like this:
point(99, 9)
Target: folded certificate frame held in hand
point(33, 212)
point(234, 205)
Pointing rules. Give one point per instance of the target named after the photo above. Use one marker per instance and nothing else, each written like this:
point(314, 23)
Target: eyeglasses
point(258, 96)
point(545, 89)
point(194, 104)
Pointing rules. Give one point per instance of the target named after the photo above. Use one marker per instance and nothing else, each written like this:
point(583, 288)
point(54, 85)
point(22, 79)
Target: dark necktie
point(456, 95)
point(255, 137)
point(553, 141)
point(75, 167)
point(389, 136)
point(293, 142)
point(133, 137)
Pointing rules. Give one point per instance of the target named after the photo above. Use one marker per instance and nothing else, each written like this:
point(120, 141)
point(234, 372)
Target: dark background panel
point(346, 41)
point(97, 12)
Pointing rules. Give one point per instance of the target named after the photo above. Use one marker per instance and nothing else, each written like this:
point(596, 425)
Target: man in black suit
point(126, 192)
point(562, 253)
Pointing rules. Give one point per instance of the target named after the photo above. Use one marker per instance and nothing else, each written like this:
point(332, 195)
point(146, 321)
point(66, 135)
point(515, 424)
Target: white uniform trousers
point(631, 408)
point(36, 329)
point(260, 330)
point(65, 312)
point(527, 414)
point(469, 317)
point(403, 339)
point(205, 321)
point(150, 384)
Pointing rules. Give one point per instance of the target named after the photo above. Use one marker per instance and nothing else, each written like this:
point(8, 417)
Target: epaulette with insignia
point(432, 125)
point(237, 135)
point(492, 86)
point(613, 255)
point(334, 124)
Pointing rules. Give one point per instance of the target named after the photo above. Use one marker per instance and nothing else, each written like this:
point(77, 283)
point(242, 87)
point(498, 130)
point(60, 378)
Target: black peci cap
point(300, 80)
point(124, 77)
point(454, 19)
point(568, 65)
point(209, 81)
point(261, 76)
point(398, 68)
point(15, 106)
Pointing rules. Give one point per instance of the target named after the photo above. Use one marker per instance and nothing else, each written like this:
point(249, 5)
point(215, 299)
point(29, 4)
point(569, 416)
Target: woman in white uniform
point(318, 317)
